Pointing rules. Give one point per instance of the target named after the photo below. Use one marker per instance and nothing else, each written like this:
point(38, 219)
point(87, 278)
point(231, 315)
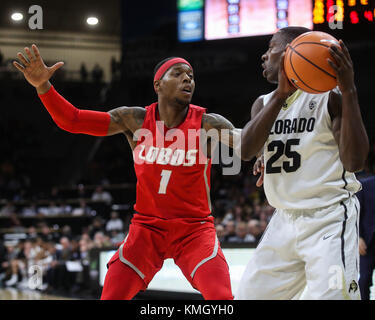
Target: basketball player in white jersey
point(313, 144)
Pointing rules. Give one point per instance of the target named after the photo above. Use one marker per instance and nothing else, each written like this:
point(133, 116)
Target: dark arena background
point(66, 200)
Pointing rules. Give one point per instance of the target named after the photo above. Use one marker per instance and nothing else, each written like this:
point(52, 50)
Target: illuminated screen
point(241, 18)
point(170, 277)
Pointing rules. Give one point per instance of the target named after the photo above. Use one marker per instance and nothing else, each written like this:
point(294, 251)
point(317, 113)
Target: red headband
point(166, 65)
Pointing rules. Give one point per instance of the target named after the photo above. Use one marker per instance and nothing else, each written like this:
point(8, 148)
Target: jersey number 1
point(165, 176)
point(282, 148)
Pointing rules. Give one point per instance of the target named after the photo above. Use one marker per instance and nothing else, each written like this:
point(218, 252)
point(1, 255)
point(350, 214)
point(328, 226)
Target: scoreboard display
point(221, 19)
point(350, 11)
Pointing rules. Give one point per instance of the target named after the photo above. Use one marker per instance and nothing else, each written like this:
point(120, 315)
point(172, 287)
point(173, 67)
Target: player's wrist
point(350, 90)
point(43, 88)
point(281, 95)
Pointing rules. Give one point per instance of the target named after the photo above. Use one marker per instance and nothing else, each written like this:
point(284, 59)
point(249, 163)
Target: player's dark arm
point(65, 115)
point(256, 131)
point(220, 129)
point(347, 125)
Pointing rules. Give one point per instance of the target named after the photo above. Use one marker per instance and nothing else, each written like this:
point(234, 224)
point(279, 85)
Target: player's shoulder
point(216, 121)
point(125, 113)
point(195, 107)
point(259, 103)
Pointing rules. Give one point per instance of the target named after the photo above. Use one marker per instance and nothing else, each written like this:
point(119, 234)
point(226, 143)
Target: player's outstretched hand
point(343, 66)
point(259, 168)
point(33, 67)
point(285, 88)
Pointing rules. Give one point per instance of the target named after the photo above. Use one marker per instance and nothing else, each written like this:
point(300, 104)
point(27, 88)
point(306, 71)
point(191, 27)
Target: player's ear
point(157, 86)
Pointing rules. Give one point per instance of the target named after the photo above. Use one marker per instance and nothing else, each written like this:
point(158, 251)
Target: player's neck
point(172, 114)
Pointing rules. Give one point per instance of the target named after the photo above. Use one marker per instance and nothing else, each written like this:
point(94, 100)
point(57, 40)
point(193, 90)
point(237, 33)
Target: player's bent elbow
point(246, 154)
point(354, 166)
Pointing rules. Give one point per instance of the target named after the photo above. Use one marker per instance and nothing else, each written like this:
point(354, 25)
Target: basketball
point(306, 65)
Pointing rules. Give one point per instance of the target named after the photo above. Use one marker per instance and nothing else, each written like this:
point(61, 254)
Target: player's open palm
point(33, 67)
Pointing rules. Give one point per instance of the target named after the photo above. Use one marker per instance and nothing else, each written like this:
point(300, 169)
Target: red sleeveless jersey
point(173, 174)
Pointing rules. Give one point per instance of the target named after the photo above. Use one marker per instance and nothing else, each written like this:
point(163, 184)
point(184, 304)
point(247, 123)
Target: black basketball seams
point(312, 63)
point(291, 64)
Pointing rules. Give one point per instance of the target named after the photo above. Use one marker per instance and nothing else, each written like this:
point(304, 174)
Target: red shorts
point(189, 241)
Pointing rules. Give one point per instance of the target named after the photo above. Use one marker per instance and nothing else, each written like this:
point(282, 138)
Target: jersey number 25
point(280, 149)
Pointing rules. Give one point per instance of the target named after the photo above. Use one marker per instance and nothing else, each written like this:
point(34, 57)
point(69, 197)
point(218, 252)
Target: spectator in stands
point(227, 217)
point(51, 267)
point(8, 209)
point(66, 249)
point(15, 223)
point(31, 233)
point(81, 191)
point(66, 232)
point(29, 211)
point(82, 210)
point(241, 235)
point(4, 264)
point(84, 247)
point(83, 72)
point(220, 232)
point(97, 225)
point(230, 230)
point(47, 234)
point(255, 229)
point(54, 194)
point(62, 279)
point(15, 267)
point(101, 196)
point(97, 73)
point(114, 223)
point(64, 208)
point(101, 240)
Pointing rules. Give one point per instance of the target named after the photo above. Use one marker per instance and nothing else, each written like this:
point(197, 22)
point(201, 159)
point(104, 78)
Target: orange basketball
point(306, 65)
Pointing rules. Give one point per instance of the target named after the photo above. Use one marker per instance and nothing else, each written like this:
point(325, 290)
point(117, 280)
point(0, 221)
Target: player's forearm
point(256, 131)
point(71, 119)
point(354, 144)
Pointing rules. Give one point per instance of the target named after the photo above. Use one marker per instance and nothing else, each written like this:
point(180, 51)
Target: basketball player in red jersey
point(172, 212)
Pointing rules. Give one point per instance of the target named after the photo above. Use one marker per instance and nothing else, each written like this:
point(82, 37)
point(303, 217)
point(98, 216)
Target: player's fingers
point(257, 166)
point(260, 180)
point(22, 58)
point(18, 66)
point(29, 54)
point(339, 56)
point(282, 61)
point(345, 50)
point(255, 169)
point(36, 51)
point(56, 66)
point(333, 65)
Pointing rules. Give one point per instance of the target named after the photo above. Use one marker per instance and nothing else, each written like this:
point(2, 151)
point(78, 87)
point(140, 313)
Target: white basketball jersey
point(302, 167)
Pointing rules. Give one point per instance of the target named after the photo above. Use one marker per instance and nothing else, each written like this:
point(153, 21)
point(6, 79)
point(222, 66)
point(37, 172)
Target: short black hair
point(161, 63)
point(290, 33)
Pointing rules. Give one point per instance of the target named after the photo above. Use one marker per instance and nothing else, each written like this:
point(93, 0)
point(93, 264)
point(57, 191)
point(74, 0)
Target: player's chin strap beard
point(181, 103)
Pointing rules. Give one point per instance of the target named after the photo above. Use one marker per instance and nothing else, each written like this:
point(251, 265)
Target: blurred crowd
point(59, 255)
point(96, 74)
point(62, 254)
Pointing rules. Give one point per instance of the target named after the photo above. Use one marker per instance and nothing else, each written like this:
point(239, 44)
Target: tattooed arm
point(126, 120)
point(219, 129)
